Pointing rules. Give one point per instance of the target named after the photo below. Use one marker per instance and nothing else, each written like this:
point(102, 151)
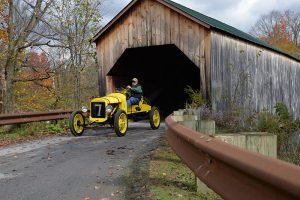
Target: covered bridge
point(169, 46)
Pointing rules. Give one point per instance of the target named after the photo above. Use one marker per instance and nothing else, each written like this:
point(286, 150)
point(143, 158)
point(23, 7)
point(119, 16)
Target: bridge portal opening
point(163, 71)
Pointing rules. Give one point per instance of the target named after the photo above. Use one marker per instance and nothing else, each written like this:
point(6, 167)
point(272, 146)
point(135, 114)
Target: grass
point(31, 131)
point(222, 130)
point(171, 179)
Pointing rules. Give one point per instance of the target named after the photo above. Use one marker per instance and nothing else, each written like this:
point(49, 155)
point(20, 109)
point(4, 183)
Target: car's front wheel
point(154, 117)
point(77, 123)
point(120, 123)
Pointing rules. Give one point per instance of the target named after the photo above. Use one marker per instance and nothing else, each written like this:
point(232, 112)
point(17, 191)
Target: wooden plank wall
point(263, 77)
point(150, 23)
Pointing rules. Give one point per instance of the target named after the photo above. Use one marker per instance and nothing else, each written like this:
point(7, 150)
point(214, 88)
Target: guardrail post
point(193, 122)
point(207, 127)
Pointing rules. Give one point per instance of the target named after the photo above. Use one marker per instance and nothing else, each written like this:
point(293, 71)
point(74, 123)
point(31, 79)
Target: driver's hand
point(128, 87)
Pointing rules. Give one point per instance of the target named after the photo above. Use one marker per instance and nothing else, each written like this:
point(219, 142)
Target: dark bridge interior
point(163, 71)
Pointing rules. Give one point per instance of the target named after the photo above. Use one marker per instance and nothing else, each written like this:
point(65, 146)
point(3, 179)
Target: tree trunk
point(76, 88)
point(2, 88)
point(8, 97)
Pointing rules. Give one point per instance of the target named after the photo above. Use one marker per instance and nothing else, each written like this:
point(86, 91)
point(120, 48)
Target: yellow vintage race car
point(112, 110)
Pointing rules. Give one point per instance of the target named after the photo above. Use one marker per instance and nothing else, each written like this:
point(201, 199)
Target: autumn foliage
point(281, 30)
point(3, 21)
point(280, 38)
point(34, 86)
point(60, 77)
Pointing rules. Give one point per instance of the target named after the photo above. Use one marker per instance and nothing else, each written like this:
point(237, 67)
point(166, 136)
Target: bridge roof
point(204, 20)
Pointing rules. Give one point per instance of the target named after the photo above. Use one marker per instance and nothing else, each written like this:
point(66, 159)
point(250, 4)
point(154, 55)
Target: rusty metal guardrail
point(232, 172)
point(20, 118)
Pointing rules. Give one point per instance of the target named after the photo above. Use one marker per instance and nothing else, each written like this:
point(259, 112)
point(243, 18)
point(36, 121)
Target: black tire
point(120, 130)
point(76, 126)
point(154, 119)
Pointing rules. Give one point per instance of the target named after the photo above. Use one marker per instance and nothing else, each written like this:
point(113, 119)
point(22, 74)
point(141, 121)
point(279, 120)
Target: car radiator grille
point(98, 110)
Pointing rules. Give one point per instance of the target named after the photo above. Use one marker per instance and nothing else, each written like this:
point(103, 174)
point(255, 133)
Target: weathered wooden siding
point(151, 23)
point(257, 77)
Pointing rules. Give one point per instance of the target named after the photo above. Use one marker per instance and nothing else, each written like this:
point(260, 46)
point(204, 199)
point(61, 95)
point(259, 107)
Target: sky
point(241, 14)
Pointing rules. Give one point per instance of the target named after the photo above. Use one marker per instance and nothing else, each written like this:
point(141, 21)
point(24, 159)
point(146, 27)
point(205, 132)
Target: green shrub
point(268, 122)
point(282, 125)
point(54, 128)
point(282, 111)
point(196, 97)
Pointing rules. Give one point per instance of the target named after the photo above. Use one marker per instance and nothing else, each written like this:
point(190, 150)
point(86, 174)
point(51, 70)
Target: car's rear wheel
point(120, 123)
point(154, 117)
point(77, 123)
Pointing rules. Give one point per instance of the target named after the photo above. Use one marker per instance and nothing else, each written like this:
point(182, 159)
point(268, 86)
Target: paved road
point(91, 167)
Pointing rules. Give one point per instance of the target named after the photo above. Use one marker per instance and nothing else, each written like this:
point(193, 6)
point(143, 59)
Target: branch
point(32, 6)
point(33, 79)
point(38, 44)
point(31, 24)
point(49, 88)
point(47, 36)
point(37, 14)
point(58, 46)
point(51, 27)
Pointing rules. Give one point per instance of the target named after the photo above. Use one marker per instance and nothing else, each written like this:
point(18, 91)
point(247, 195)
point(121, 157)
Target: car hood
point(111, 98)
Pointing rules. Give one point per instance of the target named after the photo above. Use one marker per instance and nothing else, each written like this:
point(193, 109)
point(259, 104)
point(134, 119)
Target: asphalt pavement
point(94, 166)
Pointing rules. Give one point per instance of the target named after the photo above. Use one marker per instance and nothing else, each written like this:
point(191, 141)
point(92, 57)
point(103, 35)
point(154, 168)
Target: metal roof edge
point(249, 38)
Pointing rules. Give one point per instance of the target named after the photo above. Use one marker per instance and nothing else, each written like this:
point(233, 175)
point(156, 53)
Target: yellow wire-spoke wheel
point(120, 123)
point(77, 123)
point(154, 117)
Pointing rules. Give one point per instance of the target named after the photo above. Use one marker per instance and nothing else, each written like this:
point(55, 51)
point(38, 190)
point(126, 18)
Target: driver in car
point(136, 92)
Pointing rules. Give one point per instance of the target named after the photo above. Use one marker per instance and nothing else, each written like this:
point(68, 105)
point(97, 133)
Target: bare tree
point(265, 25)
point(23, 19)
point(280, 29)
point(75, 22)
point(66, 25)
point(293, 20)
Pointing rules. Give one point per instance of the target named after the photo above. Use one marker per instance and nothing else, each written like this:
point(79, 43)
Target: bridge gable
point(152, 23)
